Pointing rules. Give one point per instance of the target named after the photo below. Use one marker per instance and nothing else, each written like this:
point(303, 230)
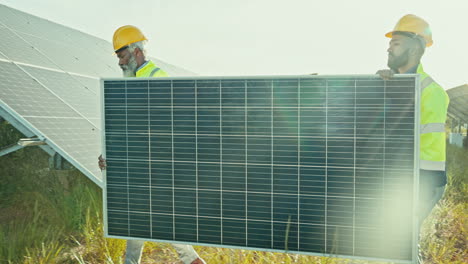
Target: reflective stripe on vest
point(432, 165)
point(426, 82)
point(149, 69)
point(154, 71)
point(432, 128)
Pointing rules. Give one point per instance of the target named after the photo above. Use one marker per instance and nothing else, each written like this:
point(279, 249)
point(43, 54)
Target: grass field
point(56, 217)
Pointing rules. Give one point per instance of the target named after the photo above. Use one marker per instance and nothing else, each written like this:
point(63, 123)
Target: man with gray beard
point(129, 44)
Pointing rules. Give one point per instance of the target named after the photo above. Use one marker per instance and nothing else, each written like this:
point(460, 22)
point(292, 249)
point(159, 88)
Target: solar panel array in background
point(49, 82)
point(306, 164)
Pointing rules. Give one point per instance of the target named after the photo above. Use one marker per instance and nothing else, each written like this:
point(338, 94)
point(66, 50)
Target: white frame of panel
point(103, 154)
point(417, 126)
point(415, 235)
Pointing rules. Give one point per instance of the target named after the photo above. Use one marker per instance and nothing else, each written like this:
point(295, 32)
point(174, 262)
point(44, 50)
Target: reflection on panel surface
point(304, 164)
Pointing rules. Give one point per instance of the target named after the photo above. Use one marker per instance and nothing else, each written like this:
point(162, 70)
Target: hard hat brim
point(122, 48)
point(125, 36)
point(390, 35)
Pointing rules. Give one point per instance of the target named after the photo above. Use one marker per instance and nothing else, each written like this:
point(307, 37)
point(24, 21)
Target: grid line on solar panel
point(23, 22)
point(65, 57)
point(86, 54)
point(44, 111)
point(12, 43)
point(27, 96)
point(263, 174)
point(45, 49)
point(57, 92)
point(65, 86)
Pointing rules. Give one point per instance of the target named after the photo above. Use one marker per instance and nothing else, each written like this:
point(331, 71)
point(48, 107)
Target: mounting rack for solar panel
point(56, 160)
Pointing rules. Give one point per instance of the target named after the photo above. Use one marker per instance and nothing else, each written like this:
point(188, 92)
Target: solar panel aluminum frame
point(415, 225)
point(50, 143)
point(23, 129)
point(417, 122)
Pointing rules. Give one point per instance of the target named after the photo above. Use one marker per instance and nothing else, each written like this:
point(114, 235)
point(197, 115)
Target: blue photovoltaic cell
point(306, 164)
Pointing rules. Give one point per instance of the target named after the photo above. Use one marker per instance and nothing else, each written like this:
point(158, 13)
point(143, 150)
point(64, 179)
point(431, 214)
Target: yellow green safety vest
point(151, 70)
point(434, 104)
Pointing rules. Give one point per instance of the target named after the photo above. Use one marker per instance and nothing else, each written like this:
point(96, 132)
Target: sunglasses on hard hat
point(412, 35)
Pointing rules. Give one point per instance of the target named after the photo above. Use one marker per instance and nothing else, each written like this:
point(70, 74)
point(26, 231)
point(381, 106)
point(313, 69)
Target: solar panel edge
point(180, 78)
point(416, 224)
point(103, 155)
point(51, 143)
point(266, 250)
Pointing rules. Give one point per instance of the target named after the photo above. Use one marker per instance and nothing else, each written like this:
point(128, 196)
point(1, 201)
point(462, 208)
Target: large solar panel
point(50, 84)
point(316, 165)
point(65, 125)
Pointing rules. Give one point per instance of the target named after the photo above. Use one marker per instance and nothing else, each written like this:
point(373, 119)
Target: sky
point(271, 37)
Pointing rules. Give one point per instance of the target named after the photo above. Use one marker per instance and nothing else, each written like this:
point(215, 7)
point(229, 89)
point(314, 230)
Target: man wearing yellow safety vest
point(409, 39)
point(129, 47)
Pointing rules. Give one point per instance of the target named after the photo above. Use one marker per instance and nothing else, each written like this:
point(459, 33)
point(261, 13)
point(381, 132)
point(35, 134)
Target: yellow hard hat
point(125, 36)
point(413, 24)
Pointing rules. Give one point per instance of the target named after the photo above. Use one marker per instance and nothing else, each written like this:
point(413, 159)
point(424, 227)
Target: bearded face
point(399, 52)
point(396, 61)
point(129, 70)
point(128, 63)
